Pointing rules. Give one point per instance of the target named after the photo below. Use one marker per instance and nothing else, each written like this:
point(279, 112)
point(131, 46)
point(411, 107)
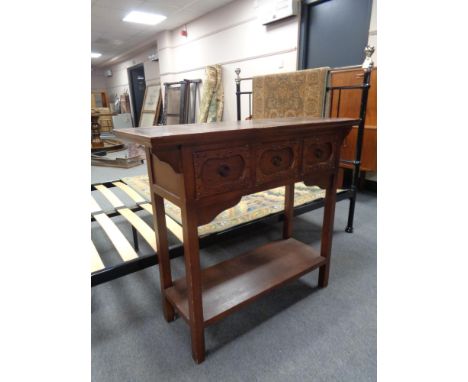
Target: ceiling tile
point(125, 5)
point(176, 3)
point(165, 8)
point(113, 37)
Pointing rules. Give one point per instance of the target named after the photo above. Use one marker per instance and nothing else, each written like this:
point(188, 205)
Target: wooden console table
point(207, 168)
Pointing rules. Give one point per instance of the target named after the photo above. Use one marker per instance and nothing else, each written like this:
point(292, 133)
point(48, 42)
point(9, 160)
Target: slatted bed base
point(131, 261)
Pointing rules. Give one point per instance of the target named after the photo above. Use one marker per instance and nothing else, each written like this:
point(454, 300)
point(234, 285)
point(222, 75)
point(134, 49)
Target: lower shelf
point(229, 285)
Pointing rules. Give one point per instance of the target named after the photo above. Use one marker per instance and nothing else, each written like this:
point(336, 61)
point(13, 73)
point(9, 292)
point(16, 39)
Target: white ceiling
point(115, 39)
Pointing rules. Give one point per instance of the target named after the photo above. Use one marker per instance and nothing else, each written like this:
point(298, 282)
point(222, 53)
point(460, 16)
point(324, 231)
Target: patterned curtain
point(212, 102)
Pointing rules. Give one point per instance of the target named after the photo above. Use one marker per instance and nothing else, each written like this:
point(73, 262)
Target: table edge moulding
point(207, 168)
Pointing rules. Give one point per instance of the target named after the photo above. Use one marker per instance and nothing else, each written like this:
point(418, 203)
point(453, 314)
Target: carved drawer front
point(277, 160)
point(318, 154)
point(218, 171)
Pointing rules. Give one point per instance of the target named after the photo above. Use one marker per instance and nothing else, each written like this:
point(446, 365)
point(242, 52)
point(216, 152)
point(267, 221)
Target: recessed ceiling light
point(95, 55)
point(144, 18)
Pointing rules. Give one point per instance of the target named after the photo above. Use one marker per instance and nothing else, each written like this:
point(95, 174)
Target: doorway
point(137, 83)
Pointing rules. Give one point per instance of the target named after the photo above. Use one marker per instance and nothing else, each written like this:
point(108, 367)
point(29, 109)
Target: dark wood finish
point(278, 160)
point(218, 171)
point(207, 168)
point(318, 153)
point(288, 210)
point(162, 244)
point(327, 228)
point(169, 181)
point(348, 105)
point(231, 284)
point(193, 283)
point(252, 130)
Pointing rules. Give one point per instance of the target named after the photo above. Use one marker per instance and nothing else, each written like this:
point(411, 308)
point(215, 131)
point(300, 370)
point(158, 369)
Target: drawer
point(277, 160)
point(319, 154)
point(222, 170)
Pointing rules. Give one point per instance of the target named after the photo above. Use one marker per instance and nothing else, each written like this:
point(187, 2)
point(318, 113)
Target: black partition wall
point(333, 32)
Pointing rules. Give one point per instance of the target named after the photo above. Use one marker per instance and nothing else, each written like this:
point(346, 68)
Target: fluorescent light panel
point(95, 55)
point(144, 18)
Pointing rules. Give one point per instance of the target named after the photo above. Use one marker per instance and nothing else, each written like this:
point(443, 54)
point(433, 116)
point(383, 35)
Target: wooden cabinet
point(207, 168)
point(369, 150)
point(347, 104)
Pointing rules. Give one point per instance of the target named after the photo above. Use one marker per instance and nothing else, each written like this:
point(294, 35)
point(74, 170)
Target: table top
point(211, 132)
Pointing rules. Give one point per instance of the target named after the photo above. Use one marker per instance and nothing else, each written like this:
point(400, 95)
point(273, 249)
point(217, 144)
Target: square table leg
point(193, 277)
point(162, 247)
point(288, 210)
point(327, 230)
point(162, 244)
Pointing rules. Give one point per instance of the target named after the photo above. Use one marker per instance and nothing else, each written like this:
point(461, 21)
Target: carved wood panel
point(319, 154)
point(277, 160)
point(218, 171)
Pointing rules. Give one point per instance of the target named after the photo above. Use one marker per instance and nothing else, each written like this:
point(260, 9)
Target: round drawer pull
point(318, 153)
point(276, 160)
point(224, 170)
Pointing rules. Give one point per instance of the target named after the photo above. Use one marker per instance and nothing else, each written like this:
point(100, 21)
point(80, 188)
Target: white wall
point(234, 37)
point(118, 83)
point(98, 81)
point(231, 36)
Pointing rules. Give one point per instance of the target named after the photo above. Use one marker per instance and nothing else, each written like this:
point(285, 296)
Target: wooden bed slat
point(95, 207)
point(119, 241)
point(144, 229)
point(96, 262)
point(148, 207)
point(136, 197)
point(110, 196)
point(171, 224)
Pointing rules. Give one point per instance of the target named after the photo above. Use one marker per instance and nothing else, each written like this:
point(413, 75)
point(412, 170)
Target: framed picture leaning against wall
point(151, 106)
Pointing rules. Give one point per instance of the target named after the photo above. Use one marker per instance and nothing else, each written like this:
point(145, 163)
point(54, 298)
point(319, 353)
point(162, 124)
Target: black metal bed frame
point(367, 66)
point(176, 250)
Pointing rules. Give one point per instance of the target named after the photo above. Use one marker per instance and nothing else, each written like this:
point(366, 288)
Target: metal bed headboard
point(366, 66)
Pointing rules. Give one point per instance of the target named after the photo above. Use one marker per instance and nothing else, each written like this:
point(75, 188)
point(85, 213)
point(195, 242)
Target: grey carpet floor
point(296, 333)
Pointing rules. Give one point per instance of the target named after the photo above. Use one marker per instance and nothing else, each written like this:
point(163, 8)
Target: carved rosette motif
point(223, 170)
point(277, 160)
point(319, 154)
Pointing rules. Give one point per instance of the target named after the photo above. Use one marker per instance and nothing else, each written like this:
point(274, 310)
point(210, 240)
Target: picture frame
point(147, 119)
point(151, 98)
point(151, 107)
